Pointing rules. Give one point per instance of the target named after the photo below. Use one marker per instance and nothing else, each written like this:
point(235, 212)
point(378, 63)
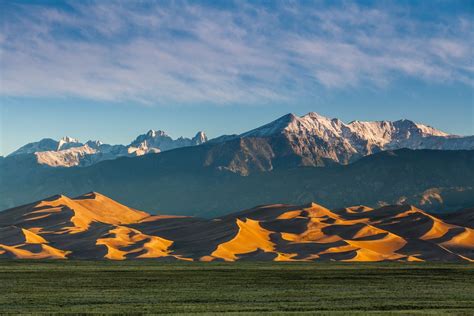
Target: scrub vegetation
point(148, 286)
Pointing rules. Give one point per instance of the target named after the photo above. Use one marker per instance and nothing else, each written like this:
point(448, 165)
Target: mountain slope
point(51, 229)
point(188, 181)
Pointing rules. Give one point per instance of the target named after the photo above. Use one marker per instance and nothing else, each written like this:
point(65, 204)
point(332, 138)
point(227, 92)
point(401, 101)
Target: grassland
point(246, 287)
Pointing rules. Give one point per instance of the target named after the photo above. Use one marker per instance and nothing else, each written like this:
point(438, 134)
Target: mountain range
point(309, 140)
point(316, 138)
point(292, 160)
point(93, 226)
point(69, 152)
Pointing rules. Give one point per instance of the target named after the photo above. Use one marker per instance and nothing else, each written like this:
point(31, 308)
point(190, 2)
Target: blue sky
point(114, 69)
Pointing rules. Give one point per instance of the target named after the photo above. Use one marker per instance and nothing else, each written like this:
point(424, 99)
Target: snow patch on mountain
point(68, 142)
point(65, 158)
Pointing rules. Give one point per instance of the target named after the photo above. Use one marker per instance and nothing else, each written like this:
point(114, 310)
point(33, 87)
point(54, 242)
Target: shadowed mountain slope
point(190, 181)
point(93, 226)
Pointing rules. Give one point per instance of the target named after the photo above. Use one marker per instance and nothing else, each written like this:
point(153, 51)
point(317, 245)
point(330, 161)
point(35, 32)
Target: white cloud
point(192, 54)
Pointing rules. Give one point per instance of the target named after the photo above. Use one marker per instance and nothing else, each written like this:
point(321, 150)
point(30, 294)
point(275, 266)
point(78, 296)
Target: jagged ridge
point(69, 152)
point(315, 137)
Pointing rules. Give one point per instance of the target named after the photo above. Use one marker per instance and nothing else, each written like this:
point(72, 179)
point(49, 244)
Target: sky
point(110, 70)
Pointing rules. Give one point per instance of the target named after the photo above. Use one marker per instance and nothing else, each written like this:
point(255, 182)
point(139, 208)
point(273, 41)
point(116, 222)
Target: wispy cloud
point(184, 52)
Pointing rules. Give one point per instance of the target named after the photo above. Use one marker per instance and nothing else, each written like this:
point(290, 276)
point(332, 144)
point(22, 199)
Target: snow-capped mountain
point(314, 135)
point(290, 141)
point(69, 152)
point(82, 155)
point(47, 144)
point(156, 141)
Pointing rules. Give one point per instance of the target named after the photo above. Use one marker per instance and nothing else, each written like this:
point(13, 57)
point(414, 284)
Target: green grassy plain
point(246, 287)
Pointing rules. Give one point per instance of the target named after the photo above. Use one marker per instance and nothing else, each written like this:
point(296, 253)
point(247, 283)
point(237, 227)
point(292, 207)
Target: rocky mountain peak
point(153, 134)
point(199, 138)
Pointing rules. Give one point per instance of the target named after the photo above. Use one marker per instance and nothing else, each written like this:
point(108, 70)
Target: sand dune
point(94, 226)
point(60, 213)
point(23, 244)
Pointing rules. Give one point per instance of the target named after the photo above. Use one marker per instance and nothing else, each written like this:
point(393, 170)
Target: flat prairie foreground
point(150, 287)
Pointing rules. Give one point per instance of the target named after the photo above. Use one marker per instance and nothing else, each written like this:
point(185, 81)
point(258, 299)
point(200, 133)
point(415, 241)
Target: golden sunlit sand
point(93, 226)
point(135, 242)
